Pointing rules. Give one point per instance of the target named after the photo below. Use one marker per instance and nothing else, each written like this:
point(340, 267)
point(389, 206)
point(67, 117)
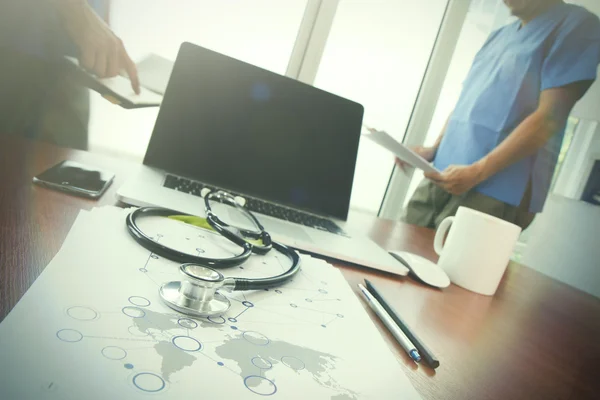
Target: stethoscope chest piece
point(197, 294)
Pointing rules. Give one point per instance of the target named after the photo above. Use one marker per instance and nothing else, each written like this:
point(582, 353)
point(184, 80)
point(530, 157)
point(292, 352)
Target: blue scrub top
point(503, 87)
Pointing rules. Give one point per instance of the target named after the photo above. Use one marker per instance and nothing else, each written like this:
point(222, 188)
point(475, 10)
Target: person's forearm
point(524, 141)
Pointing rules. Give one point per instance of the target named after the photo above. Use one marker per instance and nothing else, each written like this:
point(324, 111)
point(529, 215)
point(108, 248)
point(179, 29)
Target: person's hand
point(457, 179)
point(101, 51)
point(428, 153)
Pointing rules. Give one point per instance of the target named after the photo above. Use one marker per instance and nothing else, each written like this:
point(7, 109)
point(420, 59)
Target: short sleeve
point(575, 53)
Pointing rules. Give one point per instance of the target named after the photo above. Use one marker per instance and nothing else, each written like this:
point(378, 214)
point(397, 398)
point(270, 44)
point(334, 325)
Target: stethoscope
point(197, 294)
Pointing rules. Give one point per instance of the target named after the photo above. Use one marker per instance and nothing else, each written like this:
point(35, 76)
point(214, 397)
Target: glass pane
point(376, 55)
point(261, 32)
point(570, 130)
point(566, 144)
point(484, 16)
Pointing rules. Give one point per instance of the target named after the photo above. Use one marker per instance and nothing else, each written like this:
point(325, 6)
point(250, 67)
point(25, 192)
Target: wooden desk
point(535, 339)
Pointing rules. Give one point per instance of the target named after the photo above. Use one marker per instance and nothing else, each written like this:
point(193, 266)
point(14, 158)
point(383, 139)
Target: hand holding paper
point(403, 153)
point(458, 179)
point(427, 153)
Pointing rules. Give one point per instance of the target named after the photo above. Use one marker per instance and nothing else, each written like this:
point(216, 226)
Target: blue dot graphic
point(128, 366)
point(324, 326)
point(220, 363)
point(234, 327)
point(261, 92)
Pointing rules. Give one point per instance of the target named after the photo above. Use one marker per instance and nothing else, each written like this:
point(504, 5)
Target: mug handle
point(440, 234)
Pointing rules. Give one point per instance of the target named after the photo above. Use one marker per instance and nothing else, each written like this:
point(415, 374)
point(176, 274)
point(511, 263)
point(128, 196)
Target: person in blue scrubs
point(38, 97)
point(500, 145)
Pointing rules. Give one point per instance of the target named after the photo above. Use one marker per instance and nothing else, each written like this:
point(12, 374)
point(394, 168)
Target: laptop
point(288, 148)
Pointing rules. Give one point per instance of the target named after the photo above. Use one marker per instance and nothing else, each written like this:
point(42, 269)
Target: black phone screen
point(73, 176)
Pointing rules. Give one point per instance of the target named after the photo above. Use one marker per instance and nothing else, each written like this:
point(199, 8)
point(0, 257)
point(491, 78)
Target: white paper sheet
point(92, 326)
point(399, 150)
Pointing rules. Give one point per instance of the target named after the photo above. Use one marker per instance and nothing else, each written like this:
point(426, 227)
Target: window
point(376, 55)
point(566, 144)
point(261, 32)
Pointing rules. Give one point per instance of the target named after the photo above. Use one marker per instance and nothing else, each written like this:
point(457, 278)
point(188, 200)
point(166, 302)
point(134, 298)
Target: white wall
point(564, 244)
point(564, 240)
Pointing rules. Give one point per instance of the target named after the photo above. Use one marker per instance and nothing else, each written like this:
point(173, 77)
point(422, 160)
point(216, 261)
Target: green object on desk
point(203, 223)
point(192, 220)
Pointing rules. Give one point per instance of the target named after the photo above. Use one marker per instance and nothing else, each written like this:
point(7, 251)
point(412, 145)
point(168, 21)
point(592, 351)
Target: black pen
point(425, 353)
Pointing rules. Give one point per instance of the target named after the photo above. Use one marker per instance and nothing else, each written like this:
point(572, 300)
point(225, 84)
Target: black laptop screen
point(233, 125)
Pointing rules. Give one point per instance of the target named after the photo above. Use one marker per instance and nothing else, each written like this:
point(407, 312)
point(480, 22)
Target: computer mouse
point(423, 269)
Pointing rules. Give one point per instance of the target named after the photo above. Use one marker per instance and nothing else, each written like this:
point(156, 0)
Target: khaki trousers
point(431, 204)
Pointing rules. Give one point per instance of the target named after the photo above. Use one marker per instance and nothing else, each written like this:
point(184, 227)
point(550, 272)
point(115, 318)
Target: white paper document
point(399, 150)
point(93, 326)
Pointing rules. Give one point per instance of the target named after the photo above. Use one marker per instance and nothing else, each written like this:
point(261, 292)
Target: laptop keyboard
point(287, 214)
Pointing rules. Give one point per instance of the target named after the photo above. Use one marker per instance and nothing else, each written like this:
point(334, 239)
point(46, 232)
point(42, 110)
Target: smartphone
point(76, 178)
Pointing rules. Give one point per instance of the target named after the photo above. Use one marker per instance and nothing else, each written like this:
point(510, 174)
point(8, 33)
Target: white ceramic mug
point(477, 249)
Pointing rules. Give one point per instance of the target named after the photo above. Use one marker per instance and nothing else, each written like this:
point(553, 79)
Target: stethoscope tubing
point(172, 254)
point(226, 231)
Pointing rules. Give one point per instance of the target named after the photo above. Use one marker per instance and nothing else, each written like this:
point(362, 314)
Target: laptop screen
point(233, 125)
